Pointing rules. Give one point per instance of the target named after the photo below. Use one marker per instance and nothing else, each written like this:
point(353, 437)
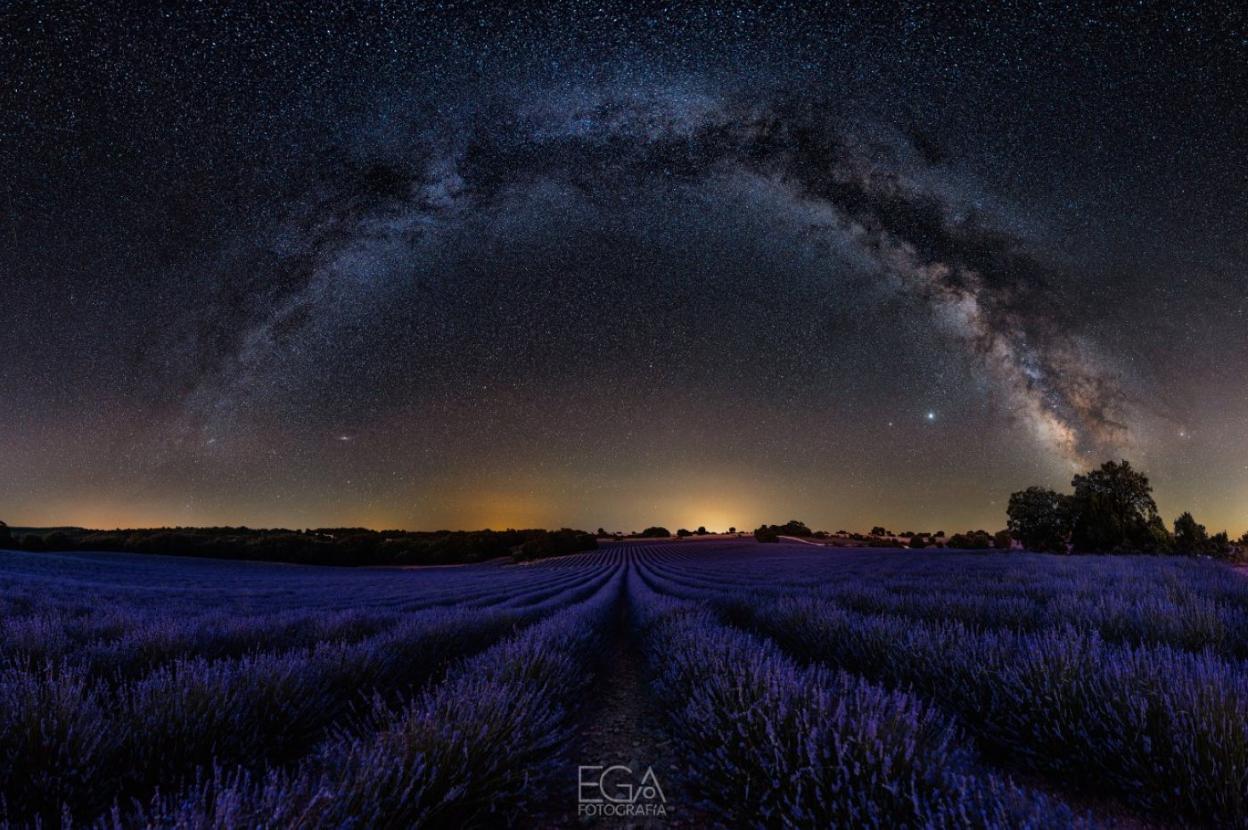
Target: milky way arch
point(885, 197)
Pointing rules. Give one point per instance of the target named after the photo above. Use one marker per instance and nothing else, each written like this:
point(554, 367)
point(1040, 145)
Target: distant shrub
point(767, 534)
point(1192, 539)
point(655, 533)
point(1238, 551)
point(1220, 546)
point(772, 533)
point(682, 533)
point(971, 540)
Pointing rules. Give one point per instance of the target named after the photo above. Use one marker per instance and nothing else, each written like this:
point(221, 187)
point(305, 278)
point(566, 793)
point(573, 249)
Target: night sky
point(450, 265)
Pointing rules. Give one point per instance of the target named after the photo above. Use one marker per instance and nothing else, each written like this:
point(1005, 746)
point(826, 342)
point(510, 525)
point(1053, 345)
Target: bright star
point(931, 416)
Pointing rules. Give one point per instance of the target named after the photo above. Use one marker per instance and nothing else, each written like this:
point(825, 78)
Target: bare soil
point(622, 724)
point(1106, 813)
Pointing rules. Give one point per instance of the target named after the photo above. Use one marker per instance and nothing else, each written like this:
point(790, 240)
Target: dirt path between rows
point(621, 724)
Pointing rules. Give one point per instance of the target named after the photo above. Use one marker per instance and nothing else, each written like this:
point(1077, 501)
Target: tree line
point(881, 537)
point(1111, 510)
point(322, 546)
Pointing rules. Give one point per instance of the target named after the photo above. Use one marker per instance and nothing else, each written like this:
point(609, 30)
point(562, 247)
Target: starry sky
point(616, 264)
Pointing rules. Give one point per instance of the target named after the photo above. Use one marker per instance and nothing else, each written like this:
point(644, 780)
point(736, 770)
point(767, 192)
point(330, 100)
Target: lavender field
point(762, 685)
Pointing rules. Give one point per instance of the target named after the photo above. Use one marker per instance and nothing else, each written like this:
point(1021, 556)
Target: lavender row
point(75, 584)
point(1154, 608)
point(1163, 729)
point(111, 641)
point(1013, 574)
point(69, 738)
point(770, 744)
point(120, 639)
point(478, 748)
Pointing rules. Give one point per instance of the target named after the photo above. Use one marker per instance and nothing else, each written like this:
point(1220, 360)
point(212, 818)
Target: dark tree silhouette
point(794, 528)
point(1040, 519)
point(971, 540)
point(1189, 535)
point(554, 543)
point(1114, 510)
point(322, 546)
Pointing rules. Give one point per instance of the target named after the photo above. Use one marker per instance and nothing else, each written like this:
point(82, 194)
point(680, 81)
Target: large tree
point(1040, 519)
point(1113, 509)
